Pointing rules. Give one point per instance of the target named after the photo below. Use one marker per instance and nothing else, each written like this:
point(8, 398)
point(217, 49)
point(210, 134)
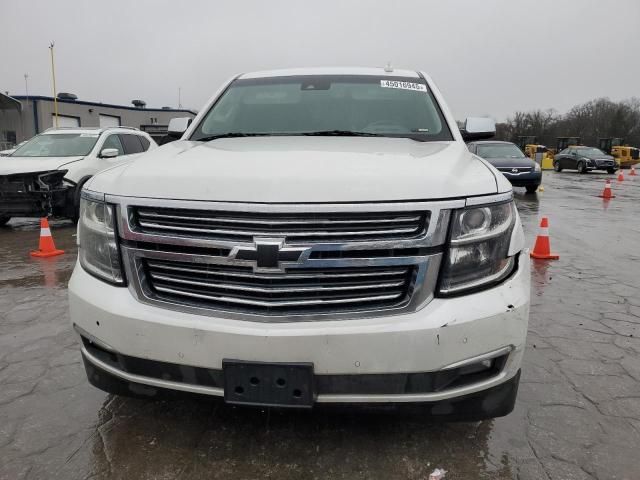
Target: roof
point(96, 130)
point(9, 103)
point(375, 71)
point(98, 104)
point(487, 142)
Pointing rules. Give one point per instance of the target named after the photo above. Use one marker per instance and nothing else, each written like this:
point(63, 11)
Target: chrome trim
point(83, 333)
point(487, 199)
point(426, 278)
point(479, 358)
point(427, 265)
point(154, 382)
point(503, 376)
point(245, 288)
point(91, 195)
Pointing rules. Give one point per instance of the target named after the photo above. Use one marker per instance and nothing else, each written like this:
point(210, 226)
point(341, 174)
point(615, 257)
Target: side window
point(131, 143)
point(471, 147)
point(145, 142)
point(113, 141)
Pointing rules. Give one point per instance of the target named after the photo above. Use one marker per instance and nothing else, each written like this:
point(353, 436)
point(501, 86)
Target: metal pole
point(55, 96)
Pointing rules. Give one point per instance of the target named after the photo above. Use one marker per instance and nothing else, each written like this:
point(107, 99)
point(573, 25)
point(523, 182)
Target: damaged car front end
point(34, 193)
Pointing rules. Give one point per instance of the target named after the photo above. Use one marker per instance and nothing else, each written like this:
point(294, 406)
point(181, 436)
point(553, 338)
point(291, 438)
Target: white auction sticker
point(419, 87)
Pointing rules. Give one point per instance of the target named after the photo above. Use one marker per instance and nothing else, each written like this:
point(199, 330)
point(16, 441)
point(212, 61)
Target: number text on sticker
point(419, 87)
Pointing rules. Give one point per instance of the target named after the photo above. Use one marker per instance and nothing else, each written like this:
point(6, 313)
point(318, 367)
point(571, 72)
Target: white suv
point(45, 175)
point(317, 236)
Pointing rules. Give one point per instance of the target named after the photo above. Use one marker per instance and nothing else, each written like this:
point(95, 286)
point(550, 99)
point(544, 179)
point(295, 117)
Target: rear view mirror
point(109, 153)
point(177, 126)
point(478, 128)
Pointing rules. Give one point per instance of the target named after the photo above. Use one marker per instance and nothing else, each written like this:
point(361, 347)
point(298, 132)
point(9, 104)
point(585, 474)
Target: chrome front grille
point(311, 227)
point(283, 262)
point(300, 291)
point(515, 170)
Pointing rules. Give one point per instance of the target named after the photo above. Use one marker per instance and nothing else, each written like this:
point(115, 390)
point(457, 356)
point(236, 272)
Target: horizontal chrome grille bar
point(294, 276)
point(296, 221)
point(286, 303)
point(289, 289)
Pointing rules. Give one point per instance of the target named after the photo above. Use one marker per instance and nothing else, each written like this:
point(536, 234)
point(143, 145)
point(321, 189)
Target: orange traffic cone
point(542, 247)
point(46, 248)
point(606, 193)
point(620, 176)
point(632, 173)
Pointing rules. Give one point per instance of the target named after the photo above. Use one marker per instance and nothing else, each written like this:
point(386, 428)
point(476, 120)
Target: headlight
point(537, 167)
point(479, 245)
point(97, 240)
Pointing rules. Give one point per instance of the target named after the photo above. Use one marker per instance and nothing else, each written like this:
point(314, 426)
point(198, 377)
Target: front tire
point(582, 167)
point(611, 171)
point(4, 219)
point(557, 167)
point(532, 188)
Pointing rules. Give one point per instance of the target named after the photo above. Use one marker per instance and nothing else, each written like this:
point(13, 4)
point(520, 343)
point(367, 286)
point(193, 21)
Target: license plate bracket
point(268, 384)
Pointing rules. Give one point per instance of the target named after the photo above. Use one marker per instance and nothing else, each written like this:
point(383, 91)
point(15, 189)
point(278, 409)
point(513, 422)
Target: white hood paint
point(11, 165)
point(302, 169)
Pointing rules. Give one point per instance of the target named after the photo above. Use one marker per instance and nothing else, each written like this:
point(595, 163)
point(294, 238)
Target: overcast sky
point(487, 56)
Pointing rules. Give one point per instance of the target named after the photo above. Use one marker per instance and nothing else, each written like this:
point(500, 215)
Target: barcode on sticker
point(419, 87)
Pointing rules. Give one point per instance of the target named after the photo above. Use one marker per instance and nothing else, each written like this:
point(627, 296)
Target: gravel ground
point(577, 415)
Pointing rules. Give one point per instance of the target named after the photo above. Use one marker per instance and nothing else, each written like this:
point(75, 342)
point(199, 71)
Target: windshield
point(590, 152)
point(499, 150)
point(329, 104)
point(58, 145)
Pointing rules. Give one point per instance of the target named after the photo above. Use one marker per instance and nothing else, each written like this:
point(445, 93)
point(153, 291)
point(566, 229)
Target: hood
point(11, 165)
point(302, 169)
point(511, 162)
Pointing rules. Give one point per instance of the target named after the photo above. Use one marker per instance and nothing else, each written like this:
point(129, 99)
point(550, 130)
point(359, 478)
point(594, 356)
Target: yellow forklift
point(537, 152)
point(566, 142)
point(625, 155)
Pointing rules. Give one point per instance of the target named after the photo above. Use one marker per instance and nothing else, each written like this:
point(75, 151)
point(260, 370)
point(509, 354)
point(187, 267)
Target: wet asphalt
point(577, 415)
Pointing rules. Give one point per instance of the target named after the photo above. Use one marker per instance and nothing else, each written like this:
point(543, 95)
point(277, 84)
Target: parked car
point(315, 236)
point(45, 175)
point(584, 159)
point(9, 151)
point(519, 169)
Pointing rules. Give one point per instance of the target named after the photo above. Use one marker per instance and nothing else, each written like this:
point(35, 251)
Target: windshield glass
point(499, 150)
point(58, 145)
point(299, 105)
point(590, 152)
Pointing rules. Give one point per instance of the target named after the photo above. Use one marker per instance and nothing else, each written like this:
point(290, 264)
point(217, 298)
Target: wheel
point(4, 219)
point(532, 188)
point(611, 171)
point(557, 167)
point(582, 168)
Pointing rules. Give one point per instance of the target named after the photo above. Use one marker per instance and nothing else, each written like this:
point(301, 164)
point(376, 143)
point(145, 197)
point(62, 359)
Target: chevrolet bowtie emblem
point(514, 170)
point(269, 254)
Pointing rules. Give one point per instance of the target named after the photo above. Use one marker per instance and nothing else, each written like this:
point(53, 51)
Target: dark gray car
point(584, 159)
point(519, 169)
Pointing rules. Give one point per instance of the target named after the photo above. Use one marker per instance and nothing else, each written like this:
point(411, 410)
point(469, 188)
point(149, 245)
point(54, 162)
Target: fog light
point(477, 367)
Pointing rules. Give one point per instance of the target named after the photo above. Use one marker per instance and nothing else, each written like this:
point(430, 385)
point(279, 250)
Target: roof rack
point(91, 128)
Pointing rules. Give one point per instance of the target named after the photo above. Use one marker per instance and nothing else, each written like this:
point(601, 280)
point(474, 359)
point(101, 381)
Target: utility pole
point(26, 86)
point(55, 95)
point(179, 97)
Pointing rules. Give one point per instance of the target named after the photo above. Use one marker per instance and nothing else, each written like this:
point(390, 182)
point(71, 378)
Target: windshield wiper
point(339, 133)
point(230, 135)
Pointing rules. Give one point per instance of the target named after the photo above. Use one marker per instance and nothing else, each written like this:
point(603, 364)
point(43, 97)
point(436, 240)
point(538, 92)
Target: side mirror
point(478, 128)
point(109, 153)
point(177, 126)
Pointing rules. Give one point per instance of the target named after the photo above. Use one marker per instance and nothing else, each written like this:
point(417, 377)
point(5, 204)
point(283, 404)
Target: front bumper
point(423, 345)
point(25, 195)
point(524, 179)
